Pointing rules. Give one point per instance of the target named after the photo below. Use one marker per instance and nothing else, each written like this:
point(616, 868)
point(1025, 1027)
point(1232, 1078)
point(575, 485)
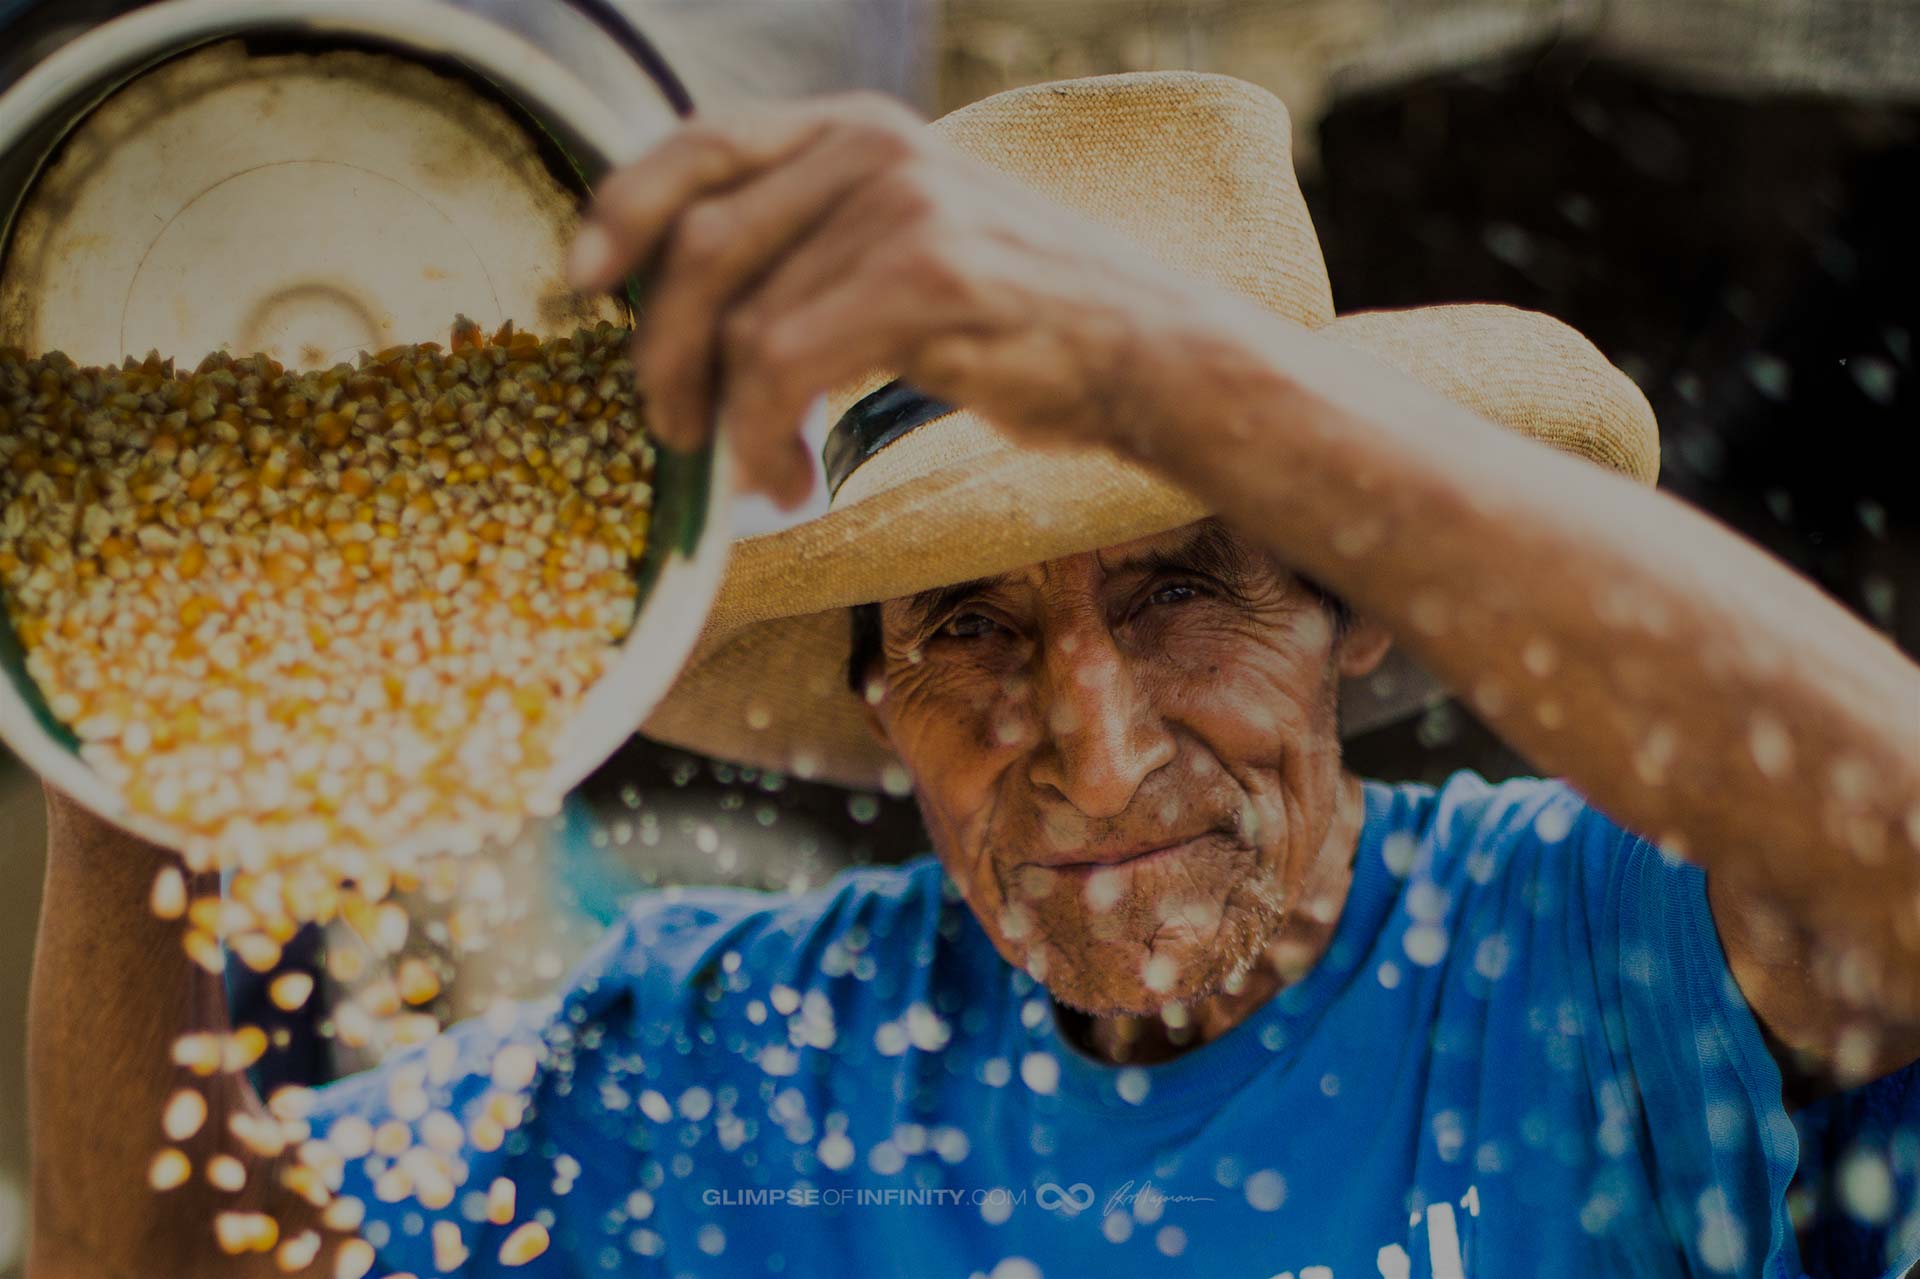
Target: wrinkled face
point(1126, 759)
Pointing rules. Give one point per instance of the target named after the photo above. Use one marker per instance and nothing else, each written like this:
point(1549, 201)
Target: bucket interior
point(683, 483)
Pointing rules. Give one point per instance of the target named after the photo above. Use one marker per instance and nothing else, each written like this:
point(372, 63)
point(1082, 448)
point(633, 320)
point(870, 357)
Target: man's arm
point(112, 990)
point(1687, 683)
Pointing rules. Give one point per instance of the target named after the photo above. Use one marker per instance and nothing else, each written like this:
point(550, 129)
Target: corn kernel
point(242, 1048)
point(449, 1250)
point(186, 1111)
point(524, 1244)
point(256, 950)
point(298, 1253)
point(224, 1172)
point(290, 991)
point(205, 950)
point(500, 1197)
point(416, 982)
point(344, 1213)
point(198, 1052)
point(169, 899)
point(260, 1134)
point(242, 1232)
point(169, 1170)
point(353, 1259)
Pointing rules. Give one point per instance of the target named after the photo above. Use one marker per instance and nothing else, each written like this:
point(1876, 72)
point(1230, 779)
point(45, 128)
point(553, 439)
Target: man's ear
point(1362, 647)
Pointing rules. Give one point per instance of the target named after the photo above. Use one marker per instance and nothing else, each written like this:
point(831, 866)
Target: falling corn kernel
point(390, 927)
point(506, 1108)
point(224, 1172)
point(298, 1253)
point(256, 950)
point(260, 1134)
point(416, 982)
point(199, 1052)
point(380, 997)
point(307, 1184)
point(169, 1169)
point(186, 1111)
point(449, 1250)
point(352, 1025)
point(513, 1068)
point(486, 1134)
point(500, 1197)
point(345, 964)
point(169, 899)
point(344, 1214)
point(205, 950)
point(433, 1190)
point(290, 991)
point(291, 1102)
point(392, 1138)
point(524, 1244)
point(440, 1131)
point(241, 1232)
point(242, 1048)
point(353, 1259)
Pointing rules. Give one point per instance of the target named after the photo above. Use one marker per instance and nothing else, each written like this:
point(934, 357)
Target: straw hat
point(1196, 170)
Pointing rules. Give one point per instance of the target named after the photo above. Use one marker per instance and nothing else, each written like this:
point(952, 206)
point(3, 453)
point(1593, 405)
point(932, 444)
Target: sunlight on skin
point(1124, 700)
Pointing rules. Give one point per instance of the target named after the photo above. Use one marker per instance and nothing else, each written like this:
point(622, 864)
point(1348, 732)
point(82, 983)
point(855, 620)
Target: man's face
point(1126, 759)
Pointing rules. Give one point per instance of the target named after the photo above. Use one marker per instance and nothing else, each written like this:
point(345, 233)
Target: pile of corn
point(307, 618)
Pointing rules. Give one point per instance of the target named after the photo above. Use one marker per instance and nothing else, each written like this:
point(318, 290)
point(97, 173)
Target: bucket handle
point(603, 14)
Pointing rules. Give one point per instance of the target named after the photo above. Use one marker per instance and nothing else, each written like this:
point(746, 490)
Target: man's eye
point(969, 626)
point(1173, 594)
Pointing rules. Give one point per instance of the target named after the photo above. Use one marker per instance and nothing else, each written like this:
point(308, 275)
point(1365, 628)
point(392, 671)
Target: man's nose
point(1099, 737)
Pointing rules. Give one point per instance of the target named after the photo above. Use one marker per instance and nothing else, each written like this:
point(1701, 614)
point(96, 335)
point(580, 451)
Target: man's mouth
point(1087, 860)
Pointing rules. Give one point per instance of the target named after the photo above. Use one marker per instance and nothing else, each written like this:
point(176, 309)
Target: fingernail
point(590, 258)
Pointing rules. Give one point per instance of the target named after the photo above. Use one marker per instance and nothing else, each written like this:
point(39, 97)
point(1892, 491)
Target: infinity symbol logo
point(1072, 1200)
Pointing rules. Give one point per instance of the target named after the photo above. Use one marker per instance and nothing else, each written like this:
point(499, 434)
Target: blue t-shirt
point(1521, 1055)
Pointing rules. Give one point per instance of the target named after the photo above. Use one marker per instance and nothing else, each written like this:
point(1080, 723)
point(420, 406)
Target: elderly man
point(1176, 993)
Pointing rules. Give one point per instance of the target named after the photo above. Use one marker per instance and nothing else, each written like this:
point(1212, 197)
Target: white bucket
point(110, 301)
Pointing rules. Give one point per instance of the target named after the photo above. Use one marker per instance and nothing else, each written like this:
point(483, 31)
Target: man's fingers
point(782, 471)
point(635, 207)
point(720, 245)
point(777, 362)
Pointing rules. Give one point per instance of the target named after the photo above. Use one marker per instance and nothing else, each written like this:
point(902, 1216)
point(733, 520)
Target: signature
point(1127, 1197)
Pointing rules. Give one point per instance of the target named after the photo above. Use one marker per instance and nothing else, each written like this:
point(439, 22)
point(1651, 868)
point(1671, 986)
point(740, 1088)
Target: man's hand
point(795, 248)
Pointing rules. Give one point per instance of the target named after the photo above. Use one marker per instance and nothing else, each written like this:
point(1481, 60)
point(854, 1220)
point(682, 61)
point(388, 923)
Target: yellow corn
point(170, 1169)
point(524, 1244)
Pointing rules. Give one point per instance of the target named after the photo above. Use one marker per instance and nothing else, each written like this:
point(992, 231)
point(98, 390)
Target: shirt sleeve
point(508, 1145)
point(1685, 1085)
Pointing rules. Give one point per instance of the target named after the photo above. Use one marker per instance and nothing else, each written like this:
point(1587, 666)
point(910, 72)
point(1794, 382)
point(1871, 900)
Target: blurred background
point(1720, 193)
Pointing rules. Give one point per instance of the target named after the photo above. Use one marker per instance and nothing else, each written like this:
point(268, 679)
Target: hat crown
point(1194, 169)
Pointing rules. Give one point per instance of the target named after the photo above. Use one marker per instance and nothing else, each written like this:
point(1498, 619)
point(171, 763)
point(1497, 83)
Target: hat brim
point(767, 684)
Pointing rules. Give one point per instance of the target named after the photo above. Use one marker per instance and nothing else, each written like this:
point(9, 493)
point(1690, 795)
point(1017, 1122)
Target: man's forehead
point(1208, 543)
point(1173, 539)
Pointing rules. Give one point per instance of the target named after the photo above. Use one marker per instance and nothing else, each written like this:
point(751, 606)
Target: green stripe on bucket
point(13, 660)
